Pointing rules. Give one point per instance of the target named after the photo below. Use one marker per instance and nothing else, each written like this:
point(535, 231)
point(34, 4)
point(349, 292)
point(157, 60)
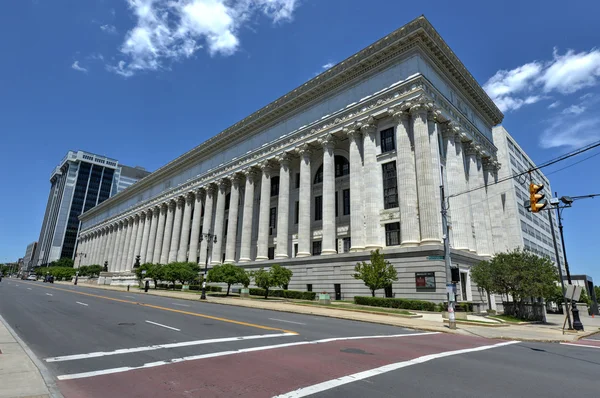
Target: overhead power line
point(541, 166)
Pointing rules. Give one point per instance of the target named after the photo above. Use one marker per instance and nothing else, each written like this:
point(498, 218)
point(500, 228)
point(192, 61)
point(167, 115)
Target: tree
point(230, 274)
point(481, 274)
point(94, 270)
point(182, 272)
point(378, 274)
point(63, 262)
point(276, 276)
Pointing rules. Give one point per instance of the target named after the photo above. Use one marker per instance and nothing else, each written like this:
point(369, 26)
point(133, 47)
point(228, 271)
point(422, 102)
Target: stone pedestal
point(244, 292)
point(122, 279)
point(324, 298)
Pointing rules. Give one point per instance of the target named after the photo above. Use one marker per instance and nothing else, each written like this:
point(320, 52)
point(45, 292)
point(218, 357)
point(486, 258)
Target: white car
point(32, 278)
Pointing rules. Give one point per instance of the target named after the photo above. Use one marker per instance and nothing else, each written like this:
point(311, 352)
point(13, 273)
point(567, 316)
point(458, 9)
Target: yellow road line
point(216, 318)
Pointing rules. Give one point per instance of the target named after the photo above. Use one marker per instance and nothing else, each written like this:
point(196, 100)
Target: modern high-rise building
point(520, 228)
point(81, 181)
point(28, 258)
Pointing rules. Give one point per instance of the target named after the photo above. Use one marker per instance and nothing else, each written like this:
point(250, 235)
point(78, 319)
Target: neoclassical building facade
point(349, 162)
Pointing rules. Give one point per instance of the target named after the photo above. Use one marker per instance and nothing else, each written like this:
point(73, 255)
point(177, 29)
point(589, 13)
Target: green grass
point(357, 307)
point(508, 318)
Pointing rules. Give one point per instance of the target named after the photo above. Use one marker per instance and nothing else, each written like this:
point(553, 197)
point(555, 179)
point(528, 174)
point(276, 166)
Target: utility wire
point(544, 164)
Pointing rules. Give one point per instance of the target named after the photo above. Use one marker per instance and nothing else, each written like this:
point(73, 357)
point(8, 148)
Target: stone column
point(146, 242)
point(149, 245)
point(429, 207)
point(489, 200)
point(217, 248)
point(176, 233)
point(372, 174)
point(104, 251)
point(246, 238)
point(234, 202)
point(141, 229)
point(101, 232)
point(499, 237)
point(457, 183)
point(91, 250)
point(263, 215)
point(166, 243)
point(112, 247)
point(207, 227)
point(184, 239)
point(477, 198)
point(434, 147)
point(135, 223)
point(283, 207)
point(127, 239)
point(329, 240)
point(357, 221)
point(121, 245)
point(195, 235)
point(410, 234)
point(305, 200)
point(160, 234)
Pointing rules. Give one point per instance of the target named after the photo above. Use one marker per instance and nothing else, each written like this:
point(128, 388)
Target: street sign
point(435, 257)
point(143, 272)
point(573, 292)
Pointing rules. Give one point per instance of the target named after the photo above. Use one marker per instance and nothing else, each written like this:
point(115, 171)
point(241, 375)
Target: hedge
point(463, 306)
point(404, 304)
point(291, 294)
point(217, 289)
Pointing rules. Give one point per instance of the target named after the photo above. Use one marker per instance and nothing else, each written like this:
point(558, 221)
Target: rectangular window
point(390, 186)
point(347, 245)
point(392, 234)
point(336, 204)
point(274, 186)
point(316, 248)
point(346, 195)
point(387, 140)
point(272, 220)
point(295, 250)
point(271, 254)
point(309, 287)
point(318, 208)
point(297, 180)
point(226, 225)
point(297, 212)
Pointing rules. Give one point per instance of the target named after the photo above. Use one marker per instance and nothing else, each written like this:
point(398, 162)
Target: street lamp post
point(210, 239)
point(80, 255)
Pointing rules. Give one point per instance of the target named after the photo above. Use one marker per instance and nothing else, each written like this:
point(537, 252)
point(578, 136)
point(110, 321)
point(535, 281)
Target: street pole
point(209, 240)
point(560, 274)
point(577, 325)
point(450, 285)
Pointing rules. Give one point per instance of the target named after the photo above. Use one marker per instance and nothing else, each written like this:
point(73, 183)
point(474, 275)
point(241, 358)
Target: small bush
point(405, 304)
point(291, 294)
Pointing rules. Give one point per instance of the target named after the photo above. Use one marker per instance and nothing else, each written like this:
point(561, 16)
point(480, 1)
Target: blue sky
point(116, 78)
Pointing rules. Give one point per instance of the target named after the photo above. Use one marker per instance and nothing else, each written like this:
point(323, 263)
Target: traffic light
point(536, 199)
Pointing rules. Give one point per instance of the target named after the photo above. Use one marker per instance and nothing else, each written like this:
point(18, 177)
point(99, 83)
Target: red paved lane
point(265, 373)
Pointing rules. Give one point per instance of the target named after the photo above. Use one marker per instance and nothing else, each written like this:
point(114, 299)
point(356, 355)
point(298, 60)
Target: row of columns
point(171, 231)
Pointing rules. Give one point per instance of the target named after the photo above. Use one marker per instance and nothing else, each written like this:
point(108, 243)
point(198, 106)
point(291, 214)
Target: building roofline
point(418, 32)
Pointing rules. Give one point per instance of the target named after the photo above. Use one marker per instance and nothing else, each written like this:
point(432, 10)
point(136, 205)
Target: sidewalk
point(530, 332)
point(19, 373)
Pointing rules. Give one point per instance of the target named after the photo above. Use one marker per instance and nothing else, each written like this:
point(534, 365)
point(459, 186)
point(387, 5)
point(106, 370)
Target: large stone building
point(28, 258)
point(349, 162)
point(80, 181)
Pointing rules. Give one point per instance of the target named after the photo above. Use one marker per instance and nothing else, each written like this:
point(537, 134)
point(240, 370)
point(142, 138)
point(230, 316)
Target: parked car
point(32, 277)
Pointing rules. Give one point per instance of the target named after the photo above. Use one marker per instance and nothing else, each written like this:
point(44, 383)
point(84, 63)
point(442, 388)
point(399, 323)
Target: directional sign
point(435, 257)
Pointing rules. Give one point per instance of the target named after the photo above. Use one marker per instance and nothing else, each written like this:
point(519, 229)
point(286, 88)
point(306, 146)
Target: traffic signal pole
point(562, 280)
point(450, 285)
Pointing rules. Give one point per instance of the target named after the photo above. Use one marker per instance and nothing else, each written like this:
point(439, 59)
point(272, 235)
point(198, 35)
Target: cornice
point(364, 114)
point(417, 33)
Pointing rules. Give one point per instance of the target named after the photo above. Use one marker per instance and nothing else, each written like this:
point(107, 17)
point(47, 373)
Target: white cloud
point(586, 96)
point(574, 109)
point(554, 105)
point(564, 74)
point(96, 57)
point(171, 30)
point(327, 65)
point(571, 131)
point(77, 67)
point(111, 29)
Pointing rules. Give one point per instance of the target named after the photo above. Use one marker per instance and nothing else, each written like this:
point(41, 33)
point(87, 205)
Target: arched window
point(342, 168)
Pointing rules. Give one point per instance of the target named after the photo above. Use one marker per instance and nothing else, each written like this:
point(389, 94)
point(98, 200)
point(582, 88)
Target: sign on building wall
point(425, 280)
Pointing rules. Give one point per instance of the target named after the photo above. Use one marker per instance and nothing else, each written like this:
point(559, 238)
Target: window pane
point(318, 208)
point(316, 247)
point(390, 186)
point(392, 234)
point(387, 140)
point(274, 186)
point(297, 212)
point(346, 202)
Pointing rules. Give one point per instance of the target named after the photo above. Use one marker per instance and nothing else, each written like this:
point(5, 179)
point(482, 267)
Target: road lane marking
point(28, 288)
point(81, 303)
point(225, 353)
point(328, 385)
point(164, 326)
point(215, 318)
point(582, 345)
point(16, 284)
point(48, 294)
point(163, 346)
point(283, 320)
point(129, 297)
point(182, 305)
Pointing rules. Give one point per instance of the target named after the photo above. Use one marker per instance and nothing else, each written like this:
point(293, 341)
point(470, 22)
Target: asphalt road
point(101, 343)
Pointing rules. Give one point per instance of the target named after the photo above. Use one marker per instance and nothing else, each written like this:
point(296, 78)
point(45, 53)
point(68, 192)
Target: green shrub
point(291, 294)
point(464, 306)
point(405, 304)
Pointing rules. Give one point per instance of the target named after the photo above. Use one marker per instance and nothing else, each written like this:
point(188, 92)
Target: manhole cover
point(356, 351)
point(126, 324)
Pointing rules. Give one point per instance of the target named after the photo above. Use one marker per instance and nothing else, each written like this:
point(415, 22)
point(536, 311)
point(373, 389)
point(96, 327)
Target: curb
point(486, 325)
point(49, 381)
